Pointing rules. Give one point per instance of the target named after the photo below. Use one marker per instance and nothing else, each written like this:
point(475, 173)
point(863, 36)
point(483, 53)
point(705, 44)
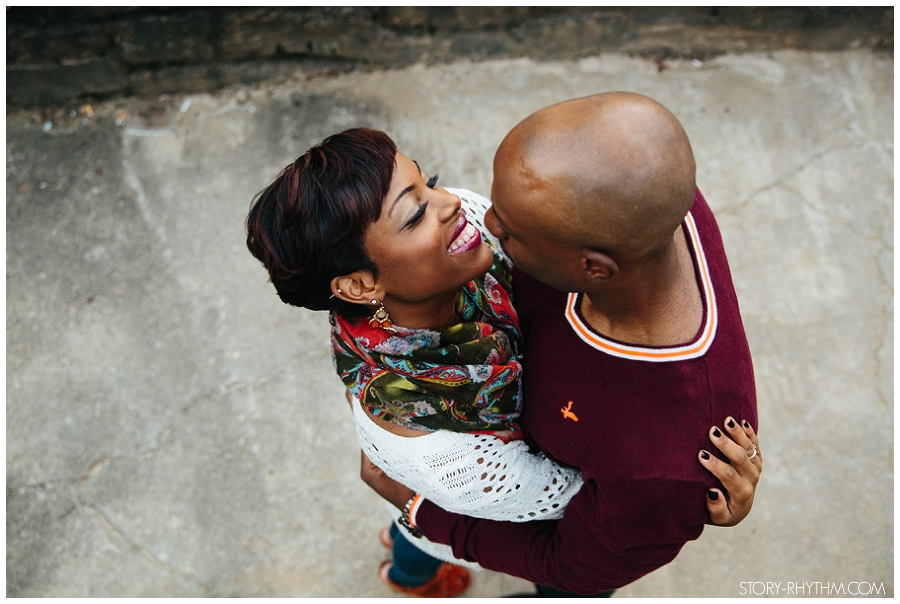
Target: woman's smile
point(466, 236)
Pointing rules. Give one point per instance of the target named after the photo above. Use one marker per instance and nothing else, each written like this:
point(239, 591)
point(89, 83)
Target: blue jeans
point(412, 567)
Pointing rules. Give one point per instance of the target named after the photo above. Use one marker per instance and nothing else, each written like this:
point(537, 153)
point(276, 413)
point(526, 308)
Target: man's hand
point(382, 484)
point(739, 477)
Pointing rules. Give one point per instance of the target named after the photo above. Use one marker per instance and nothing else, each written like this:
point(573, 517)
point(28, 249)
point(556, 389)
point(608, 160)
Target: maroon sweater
point(643, 414)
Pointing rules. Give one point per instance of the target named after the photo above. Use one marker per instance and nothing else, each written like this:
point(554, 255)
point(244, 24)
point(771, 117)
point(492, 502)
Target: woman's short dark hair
point(307, 226)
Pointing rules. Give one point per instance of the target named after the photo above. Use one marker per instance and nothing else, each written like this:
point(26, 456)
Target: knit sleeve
point(473, 474)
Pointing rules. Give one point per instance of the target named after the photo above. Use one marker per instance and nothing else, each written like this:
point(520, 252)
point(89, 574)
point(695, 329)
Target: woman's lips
point(465, 237)
point(461, 223)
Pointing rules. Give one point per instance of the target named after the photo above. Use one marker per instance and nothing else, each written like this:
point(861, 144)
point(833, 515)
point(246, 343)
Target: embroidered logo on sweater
point(567, 412)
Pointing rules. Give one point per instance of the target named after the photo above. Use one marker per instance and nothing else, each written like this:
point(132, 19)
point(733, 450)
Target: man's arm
point(596, 546)
point(586, 552)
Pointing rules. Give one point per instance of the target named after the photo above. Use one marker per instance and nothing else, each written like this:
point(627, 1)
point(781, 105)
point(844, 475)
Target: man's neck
point(662, 308)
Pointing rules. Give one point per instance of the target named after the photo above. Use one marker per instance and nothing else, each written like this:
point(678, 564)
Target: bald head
point(613, 171)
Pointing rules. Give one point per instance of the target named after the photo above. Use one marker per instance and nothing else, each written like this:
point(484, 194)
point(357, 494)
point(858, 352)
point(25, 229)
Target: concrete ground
point(174, 430)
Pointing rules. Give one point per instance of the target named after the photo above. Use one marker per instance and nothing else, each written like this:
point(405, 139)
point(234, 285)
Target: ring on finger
point(755, 452)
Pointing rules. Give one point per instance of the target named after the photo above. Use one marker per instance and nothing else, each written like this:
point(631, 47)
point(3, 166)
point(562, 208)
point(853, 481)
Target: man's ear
point(597, 266)
point(359, 287)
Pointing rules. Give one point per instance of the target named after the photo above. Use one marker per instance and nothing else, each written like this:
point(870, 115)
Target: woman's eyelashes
point(430, 183)
point(416, 217)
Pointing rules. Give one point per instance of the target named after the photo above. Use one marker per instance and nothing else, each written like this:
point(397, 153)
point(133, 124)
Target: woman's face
point(422, 243)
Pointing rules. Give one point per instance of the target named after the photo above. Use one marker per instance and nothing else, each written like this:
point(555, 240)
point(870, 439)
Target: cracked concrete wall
point(174, 430)
point(64, 54)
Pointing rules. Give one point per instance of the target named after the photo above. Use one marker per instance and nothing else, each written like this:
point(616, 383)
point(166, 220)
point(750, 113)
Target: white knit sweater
point(473, 474)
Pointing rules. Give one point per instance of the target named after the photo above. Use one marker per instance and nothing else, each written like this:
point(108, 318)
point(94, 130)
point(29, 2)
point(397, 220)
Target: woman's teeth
point(464, 238)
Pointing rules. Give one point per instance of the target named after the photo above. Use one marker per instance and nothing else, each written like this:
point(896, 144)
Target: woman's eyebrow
point(402, 193)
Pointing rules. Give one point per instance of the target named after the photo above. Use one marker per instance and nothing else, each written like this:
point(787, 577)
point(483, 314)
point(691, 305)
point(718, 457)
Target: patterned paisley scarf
point(465, 378)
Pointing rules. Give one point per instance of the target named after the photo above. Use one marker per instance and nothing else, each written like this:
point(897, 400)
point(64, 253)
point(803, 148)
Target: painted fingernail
point(730, 423)
point(746, 424)
point(713, 495)
point(704, 454)
point(716, 432)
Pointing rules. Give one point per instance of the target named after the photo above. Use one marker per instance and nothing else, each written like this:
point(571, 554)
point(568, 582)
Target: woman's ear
point(359, 287)
point(597, 266)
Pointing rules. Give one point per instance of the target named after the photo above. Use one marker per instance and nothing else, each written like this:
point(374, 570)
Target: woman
point(424, 335)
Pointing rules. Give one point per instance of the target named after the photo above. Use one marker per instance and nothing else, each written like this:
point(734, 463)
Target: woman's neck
point(435, 313)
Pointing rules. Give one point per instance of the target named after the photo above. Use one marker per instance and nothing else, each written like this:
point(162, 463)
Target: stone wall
point(57, 55)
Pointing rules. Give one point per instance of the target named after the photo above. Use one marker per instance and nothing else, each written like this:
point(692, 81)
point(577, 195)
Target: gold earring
point(381, 319)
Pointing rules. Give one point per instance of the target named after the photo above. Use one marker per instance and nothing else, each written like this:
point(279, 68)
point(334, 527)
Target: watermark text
point(811, 588)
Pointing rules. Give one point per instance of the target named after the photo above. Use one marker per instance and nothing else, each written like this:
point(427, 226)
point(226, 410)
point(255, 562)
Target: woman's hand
point(739, 477)
point(382, 484)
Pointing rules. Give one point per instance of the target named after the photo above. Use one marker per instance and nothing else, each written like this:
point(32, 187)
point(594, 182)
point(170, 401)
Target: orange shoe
point(385, 539)
point(450, 580)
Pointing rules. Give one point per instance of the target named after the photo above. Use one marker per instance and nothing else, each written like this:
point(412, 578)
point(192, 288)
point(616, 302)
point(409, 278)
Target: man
point(635, 347)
